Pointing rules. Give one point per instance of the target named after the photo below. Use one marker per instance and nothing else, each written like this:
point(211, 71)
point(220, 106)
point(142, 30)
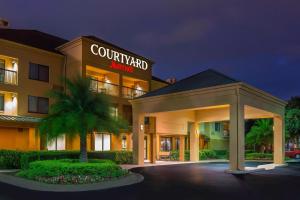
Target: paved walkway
point(162, 163)
point(206, 181)
point(260, 165)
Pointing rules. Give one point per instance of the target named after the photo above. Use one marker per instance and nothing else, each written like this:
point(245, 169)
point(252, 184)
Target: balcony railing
point(8, 76)
point(104, 87)
point(130, 93)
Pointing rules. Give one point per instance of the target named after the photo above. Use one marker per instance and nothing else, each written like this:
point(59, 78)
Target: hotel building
point(32, 63)
point(205, 110)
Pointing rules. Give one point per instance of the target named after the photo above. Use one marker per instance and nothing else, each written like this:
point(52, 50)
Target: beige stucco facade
point(181, 113)
point(175, 117)
point(18, 126)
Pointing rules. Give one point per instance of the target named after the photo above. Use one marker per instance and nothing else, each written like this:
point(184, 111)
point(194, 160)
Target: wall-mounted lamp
point(106, 80)
point(14, 65)
point(13, 97)
point(142, 127)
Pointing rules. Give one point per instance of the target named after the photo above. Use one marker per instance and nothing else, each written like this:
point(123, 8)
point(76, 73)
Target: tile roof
point(204, 79)
point(32, 38)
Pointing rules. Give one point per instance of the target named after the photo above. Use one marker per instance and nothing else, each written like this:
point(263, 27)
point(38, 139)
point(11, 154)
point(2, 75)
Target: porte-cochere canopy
point(208, 96)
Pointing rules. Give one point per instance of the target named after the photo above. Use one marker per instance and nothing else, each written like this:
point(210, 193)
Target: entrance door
point(145, 148)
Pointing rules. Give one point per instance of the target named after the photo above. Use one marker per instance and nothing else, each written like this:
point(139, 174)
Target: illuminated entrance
point(184, 114)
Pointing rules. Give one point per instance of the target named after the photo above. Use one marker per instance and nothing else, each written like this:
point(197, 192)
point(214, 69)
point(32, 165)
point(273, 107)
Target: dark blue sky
point(255, 41)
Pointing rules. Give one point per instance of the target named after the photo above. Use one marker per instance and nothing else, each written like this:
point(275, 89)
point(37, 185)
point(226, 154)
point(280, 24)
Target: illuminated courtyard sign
point(120, 58)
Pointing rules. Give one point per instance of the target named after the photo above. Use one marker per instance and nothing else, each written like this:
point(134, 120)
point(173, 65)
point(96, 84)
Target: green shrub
point(10, 159)
point(31, 156)
point(186, 155)
point(17, 159)
point(174, 155)
point(222, 154)
point(123, 157)
point(202, 155)
point(72, 171)
point(120, 157)
point(259, 156)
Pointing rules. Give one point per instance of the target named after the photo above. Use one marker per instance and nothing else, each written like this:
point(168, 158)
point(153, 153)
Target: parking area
point(187, 181)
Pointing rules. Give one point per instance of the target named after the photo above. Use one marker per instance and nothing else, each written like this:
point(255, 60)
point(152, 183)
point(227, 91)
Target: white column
point(138, 138)
point(237, 136)
point(194, 143)
point(278, 139)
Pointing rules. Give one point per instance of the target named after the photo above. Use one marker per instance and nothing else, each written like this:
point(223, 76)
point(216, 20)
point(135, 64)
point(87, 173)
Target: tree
point(79, 111)
point(292, 120)
point(294, 102)
point(261, 133)
point(292, 124)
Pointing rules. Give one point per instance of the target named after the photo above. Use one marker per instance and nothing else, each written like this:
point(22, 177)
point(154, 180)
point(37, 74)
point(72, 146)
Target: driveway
point(187, 181)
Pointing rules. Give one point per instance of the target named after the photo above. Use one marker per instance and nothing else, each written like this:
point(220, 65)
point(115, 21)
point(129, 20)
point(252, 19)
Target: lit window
point(114, 111)
point(124, 142)
point(165, 144)
point(102, 142)
point(58, 143)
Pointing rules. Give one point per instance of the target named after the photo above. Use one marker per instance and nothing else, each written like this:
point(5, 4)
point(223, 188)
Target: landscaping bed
point(10, 159)
point(71, 171)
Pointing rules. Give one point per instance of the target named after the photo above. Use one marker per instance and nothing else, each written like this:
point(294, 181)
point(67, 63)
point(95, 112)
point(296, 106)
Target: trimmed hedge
point(203, 154)
point(68, 171)
point(18, 159)
point(10, 159)
point(207, 154)
point(259, 156)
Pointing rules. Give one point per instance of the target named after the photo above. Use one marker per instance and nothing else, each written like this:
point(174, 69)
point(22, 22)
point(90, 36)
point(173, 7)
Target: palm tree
point(79, 111)
point(261, 133)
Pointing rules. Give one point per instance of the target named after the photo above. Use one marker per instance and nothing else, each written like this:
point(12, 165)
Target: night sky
point(255, 41)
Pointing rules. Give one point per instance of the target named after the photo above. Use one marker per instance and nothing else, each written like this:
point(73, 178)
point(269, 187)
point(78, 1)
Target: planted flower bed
point(71, 171)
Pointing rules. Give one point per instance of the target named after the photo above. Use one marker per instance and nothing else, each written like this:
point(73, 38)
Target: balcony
point(104, 87)
point(8, 76)
point(130, 93)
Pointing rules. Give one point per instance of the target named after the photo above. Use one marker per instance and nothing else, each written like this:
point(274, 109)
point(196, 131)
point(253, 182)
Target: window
point(114, 111)
point(38, 72)
point(2, 70)
point(58, 143)
point(2, 64)
point(165, 144)
point(38, 104)
point(1, 102)
point(217, 126)
point(124, 142)
point(102, 142)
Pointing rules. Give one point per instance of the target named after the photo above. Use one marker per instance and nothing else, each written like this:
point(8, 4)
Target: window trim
point(38, 72)
point(38, 112)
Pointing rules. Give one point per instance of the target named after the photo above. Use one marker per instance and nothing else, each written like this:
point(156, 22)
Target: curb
point(130, 179)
